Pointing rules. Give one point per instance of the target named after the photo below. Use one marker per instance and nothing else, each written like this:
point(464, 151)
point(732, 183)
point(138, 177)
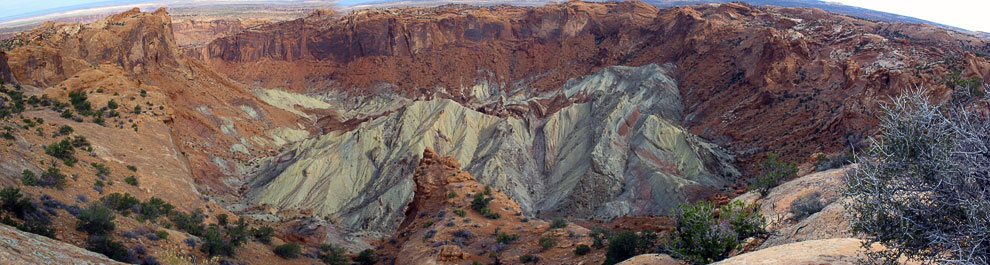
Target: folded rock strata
point(620, 151)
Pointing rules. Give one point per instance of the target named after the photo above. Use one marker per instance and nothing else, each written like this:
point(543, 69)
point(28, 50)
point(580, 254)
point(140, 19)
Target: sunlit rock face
point(617, 148)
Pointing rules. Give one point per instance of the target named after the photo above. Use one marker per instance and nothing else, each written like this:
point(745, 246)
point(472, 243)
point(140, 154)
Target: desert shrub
point(101, 169)
point(622, 246)
point(222, 219)
point(120, 202)
point(582, 249)
point(460, 212)
point(263, 234)
point(598, 235)
point(452, 194)
point(529, 258)
point(239, 233)
point(488, 190)
point(37, 227)
point(63, 150)
point(366, 257)
point(105, 245)
point(112, 104)
point(806, 205)
point(558, 222)
point(480, 202)
point(132, 168)
point(490, 214)
point(28, 178)
point(131, 180)
point(14, 202)
point(191, 223)
point(503, 237)
point(52, 178)
point(923, 187)
point(154, 208)
point(334, 255)
point(703, 235)
point(162, 234)
point(824, 162)
point(772, 171)
point(463, 233)
point(214, 244)
point(96, 219)
point(78, 101)
point(288, 251)
point(548, 242)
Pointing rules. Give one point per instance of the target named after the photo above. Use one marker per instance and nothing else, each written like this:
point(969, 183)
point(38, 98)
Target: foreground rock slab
point(17, 247)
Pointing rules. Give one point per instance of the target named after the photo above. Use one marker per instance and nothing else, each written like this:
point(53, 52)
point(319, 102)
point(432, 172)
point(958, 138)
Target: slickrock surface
point(22, 248)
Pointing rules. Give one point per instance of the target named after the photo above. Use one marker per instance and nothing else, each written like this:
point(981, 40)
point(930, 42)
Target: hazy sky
point(967, 14)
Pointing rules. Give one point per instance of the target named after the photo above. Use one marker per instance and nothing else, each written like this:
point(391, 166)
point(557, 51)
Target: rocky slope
point(442, 228)
point(619, 152)
point(139, 114)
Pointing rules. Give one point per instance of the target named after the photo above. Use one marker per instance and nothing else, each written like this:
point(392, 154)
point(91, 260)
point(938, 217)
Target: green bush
point(263, 234)
point(37, 227)
point(622, 246)
point(558, 223)
point(460, 212)
point(528, 258)
point(548, 242)
point(772, 171)
point(288, 251)
point(131, 181)
point(480, 202)
point(366, 257)
point(105, 245)
point(96, 220)
point(65, 130)
point(191, 223)
point(506, 238)
point(452, 194)
point(52, 177)
point(132, 168)
point(222, 219)
point(214, 244)
point(28, 178)
point(120, 202)
point(14, 202)
point(154, 208)
point(703, 235)
point(334, 255)
point(63, 150)
point(582, 249)
point(162, 234)
point(101, 169)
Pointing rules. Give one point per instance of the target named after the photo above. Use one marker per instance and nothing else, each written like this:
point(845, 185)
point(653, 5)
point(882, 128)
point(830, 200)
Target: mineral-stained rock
point(23, 248)
point(619, 152)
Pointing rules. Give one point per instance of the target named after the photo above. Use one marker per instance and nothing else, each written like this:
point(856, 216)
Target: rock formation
point(756, 79)
point(620, 152)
